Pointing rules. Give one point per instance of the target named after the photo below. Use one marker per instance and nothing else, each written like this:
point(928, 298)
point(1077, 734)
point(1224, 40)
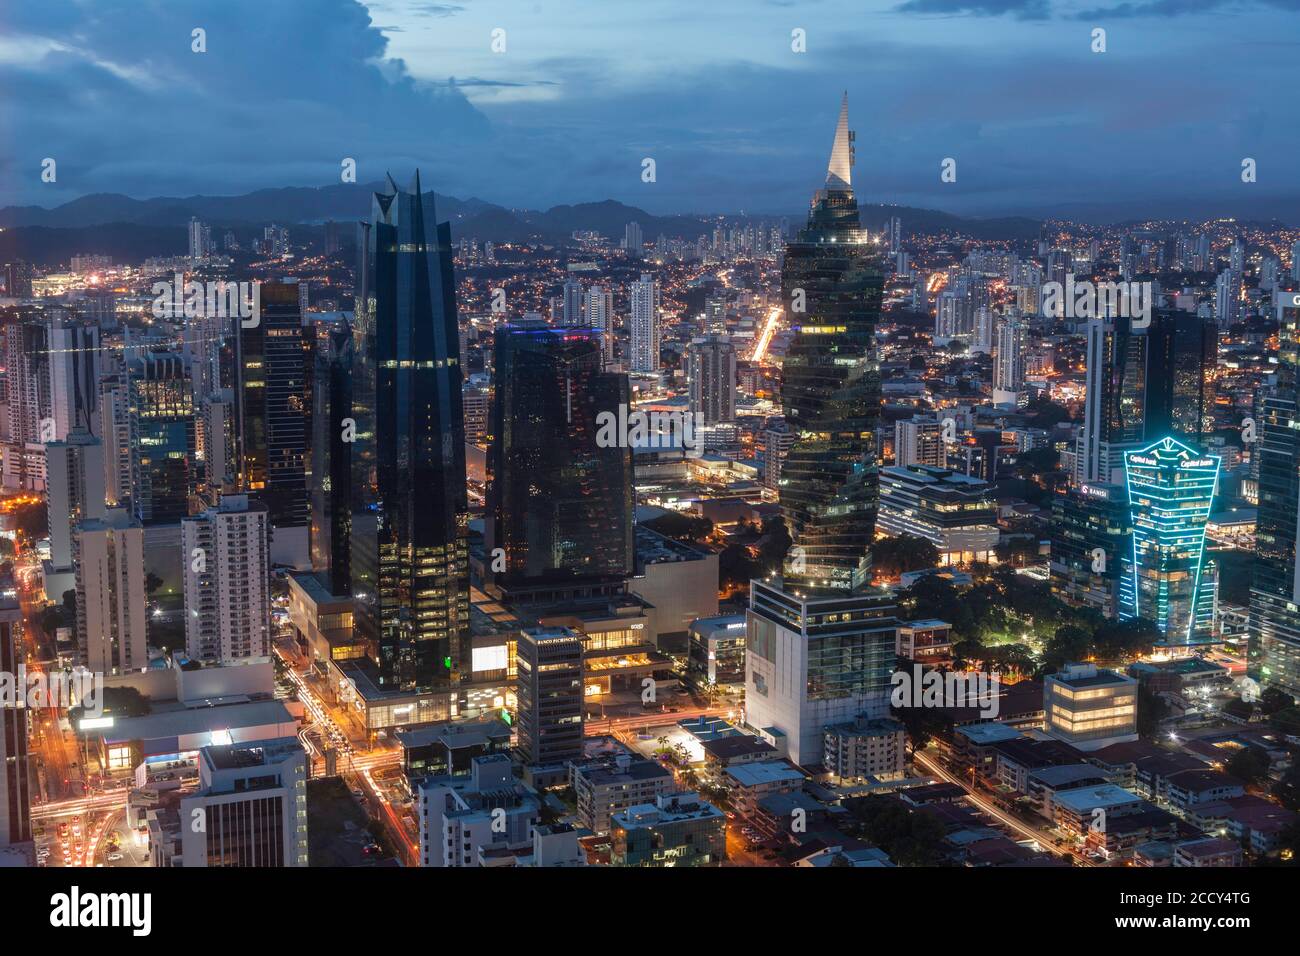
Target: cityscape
point(367, 526)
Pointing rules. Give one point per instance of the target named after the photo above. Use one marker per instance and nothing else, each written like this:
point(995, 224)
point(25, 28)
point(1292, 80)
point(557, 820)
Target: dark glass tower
point(560, 507)
point(1275, 592)
point(831, 284)
point(410, 560)
point(160, 407)
point(272, 412)
point(331, 471)
point(1181, 356)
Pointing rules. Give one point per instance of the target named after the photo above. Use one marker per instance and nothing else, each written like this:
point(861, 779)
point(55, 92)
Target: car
point(114, 857)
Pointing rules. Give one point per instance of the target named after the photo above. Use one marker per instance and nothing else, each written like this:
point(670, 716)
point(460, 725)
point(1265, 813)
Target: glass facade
point(831, 285)
point(409, 552)
point(1170, 490)
point(561, 507)
point(161, 411)
point(331, 469)
point(1091, 517)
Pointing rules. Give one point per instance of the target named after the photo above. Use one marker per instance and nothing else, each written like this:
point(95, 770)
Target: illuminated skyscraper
point(410, 557)
point(1171, 487)
point(820, 642)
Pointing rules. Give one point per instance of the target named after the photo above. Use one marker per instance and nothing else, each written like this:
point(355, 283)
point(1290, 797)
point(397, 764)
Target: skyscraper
point(644, 295)
point(831, 284)
point(1115, 397)
point(1275, 590)
point(1009, 363)
point(559, 506)
point(331, 449)
point(110, 594)
point(15, 782)
point(272, 416)
point(227, 592)
point(550, 695)
point(712, 373)
point(75, 490)
point(1170, 490)
point(1181, 356)
point(820, 642)
point(160, 406)
point(410, 558)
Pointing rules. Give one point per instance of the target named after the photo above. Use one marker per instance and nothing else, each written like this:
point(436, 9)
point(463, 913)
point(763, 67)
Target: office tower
point(252, 801)
point(1171, 487)
point(110, 594)
point(410, 525)
point(1115, 399)
point(74, 376)
point(1227, 298)
point(200, 235)
point(549, 695)
point(15, 783)
point(559, 505)
point(28, 401)
point(331, 450)
point(227, 564)
point(160, 408)
point(1009, 362)
point(1090, 708)
point(831, 392)
point(895, 235)
point(954, 512)
point(1182, 353)
point(632, 240)
point(1091, 546)
point(271, 416)
point(598, 308)
point(644, 296)
point(75, 490)
point(712, 373)
point(1275, 590)
point(918, 441)
point(820, 643)
point(478, 411)
point(572, 298)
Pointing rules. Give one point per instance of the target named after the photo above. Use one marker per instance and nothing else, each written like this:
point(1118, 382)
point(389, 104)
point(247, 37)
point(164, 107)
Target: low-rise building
point(866, 748)
point(1212, 851)
point(614, 783)
point(676, 830)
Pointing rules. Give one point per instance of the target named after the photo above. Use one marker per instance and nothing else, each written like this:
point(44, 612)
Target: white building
point(461, 818)
point(1009, 363)
point(918, 441)
point(1090, 708)
point(251, 806)
point(712, 372)
point(225, 569)
point(110, 594)
point(644, 294)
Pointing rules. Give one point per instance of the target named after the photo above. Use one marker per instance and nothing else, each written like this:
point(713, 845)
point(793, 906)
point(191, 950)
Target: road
point(1043, 838)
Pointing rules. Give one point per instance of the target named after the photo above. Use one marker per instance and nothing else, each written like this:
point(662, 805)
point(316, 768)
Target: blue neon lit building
point(1170, 490)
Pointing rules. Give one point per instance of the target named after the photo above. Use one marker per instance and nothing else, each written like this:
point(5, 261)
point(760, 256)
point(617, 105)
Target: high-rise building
point(1227, 298)
point(75, 490)
point(712, 374)
point(227, 592)
point(820, 643)
point(74, 376)
point(1171, 487)
point(1181, 356)
point(778, 439)
point(598, 308)
point(550, 695)
point(831, 284)
point(1115, 399)
point(644, 296)
point(560, 506)
point(15, 780)
point(919, 441)
point(272, 416)
point(110, 594)
point(1009, 362)
point(1091, 546)
point(410, 522)
point(331, 449)
point(160, 408)
point(571, 304)
point(252, 801)
point(478, 413)
point(1275, 590)
point(28, 403)
point(200, 235)
point(632, 240)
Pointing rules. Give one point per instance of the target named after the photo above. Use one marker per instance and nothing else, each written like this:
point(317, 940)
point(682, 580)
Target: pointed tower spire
point(839, 177)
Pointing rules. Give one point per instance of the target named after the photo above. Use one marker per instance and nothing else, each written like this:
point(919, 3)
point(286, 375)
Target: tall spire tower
point(820, 641)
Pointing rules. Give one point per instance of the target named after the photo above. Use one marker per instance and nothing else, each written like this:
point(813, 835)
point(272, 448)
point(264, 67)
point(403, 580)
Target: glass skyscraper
point(1171, 487)
point(331, 470)
point(160, 406)
point(1275, 591)
point(409, 551)
point(831, 285)
point(559, 506)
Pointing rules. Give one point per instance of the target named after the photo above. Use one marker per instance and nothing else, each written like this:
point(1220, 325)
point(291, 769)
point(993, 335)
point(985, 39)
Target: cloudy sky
point(710, 89)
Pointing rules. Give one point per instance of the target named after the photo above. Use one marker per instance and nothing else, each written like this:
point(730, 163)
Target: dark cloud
point(1021, 9)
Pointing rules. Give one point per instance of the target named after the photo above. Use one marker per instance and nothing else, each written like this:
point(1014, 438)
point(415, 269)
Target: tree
point(1286, 721)
point(1287, 790)
point(152, 583)
point(1249, 765)
point(736, 568)
point(1069, 643)
point(774, 546)
point(898, 555)
point(1151, 711)
point(681, 527)
point(1275, 699)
